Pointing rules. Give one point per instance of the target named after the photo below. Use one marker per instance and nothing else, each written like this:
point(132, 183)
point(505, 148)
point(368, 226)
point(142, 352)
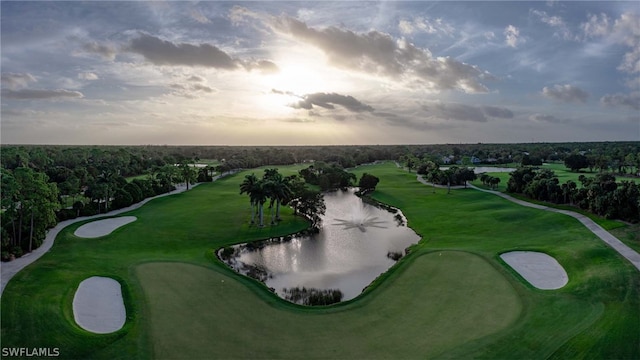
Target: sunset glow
point(319, 72)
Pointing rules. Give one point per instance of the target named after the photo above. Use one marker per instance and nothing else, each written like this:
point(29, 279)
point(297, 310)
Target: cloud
point(453, 111)
point(406, 27)
point(380, 54)
point(263, 66)
point(425, 25)
point(497, 112)
point(547, 119)
point(512, 36)
point(163, 52)
point(204, 88)
point(463, 112)
point(199, 17)
point(107, 51)
point(17, 81)
point(87, 76)
point(328, 100)
point(633, 82)
point(196, 78)
point(565, 93)
point(280, 92)
point(410, 122)
point(555, 22)
point(624, 30)
point(40, 94)
point(596, 25)
point(192, 88)
point(631, 100)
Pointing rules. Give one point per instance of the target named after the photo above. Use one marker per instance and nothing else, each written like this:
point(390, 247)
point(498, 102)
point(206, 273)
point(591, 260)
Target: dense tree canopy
point(279, 190)
point(600, 194)
point(328, 177)
point(368, 182)
point(575, 162)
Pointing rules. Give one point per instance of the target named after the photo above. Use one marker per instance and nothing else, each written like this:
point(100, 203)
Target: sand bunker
point(102, 227)
point(98, 306)
point(539, 269)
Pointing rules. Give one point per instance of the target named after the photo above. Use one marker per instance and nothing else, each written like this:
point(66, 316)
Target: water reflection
point(351, 250)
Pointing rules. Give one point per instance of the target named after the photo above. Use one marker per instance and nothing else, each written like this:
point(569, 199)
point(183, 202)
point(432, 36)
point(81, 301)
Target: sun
point(300, 79)
point(289, 86)
point(301, 71)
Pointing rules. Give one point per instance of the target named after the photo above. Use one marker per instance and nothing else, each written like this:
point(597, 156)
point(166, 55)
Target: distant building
point(447, 159)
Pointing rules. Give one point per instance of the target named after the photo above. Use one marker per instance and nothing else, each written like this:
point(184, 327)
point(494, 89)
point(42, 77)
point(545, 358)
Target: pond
point(357, 243)
point(485, 169)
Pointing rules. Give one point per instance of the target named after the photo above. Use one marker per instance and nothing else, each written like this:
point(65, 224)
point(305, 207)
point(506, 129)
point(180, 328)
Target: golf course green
point(451, 297)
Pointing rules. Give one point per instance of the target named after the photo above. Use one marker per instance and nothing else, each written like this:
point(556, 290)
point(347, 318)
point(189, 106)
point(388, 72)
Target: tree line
point(599, 194)
point(279, 190)
point(298, 191)
point(44, 185)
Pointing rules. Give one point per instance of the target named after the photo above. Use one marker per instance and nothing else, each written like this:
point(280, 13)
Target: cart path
point(617, 245)
point(9, 269)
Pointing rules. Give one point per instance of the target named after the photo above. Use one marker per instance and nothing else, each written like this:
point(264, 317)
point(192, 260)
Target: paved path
point(422, 180)
point(11, 268)
point(617, 245)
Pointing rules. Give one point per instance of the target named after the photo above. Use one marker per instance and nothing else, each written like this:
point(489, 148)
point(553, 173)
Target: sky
point(319, 73)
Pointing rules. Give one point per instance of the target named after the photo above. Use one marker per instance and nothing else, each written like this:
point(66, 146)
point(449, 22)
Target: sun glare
point(299, 80)
point(302, 71)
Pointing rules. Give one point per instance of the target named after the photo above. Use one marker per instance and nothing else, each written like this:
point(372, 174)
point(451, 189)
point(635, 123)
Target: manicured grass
point(564, 175)
point(177, 307)
point(439, 302)
point(629, 234)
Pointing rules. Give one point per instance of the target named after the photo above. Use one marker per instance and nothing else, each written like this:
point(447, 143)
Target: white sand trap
point(102, 227)
point(98, 306)
point(539, 269)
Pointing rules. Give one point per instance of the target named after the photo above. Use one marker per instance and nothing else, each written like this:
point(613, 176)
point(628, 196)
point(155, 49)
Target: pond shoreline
point(359, 240)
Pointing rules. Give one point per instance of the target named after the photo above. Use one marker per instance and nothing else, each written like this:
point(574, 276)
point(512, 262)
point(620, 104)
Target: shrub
point(313, 296)
point(17, 251)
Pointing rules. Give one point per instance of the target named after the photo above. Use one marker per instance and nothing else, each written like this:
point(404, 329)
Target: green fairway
point(561, 171)
point(451, 297)
point(439, 302)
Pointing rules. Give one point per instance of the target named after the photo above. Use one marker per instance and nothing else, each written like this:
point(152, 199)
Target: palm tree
point(259, 196)
point(107, 179)
point(280, 192)
point(433, 176)
point(274, 187)
point(268, 187)
point(186, 172)
point(248, 186)
point(494, 181)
